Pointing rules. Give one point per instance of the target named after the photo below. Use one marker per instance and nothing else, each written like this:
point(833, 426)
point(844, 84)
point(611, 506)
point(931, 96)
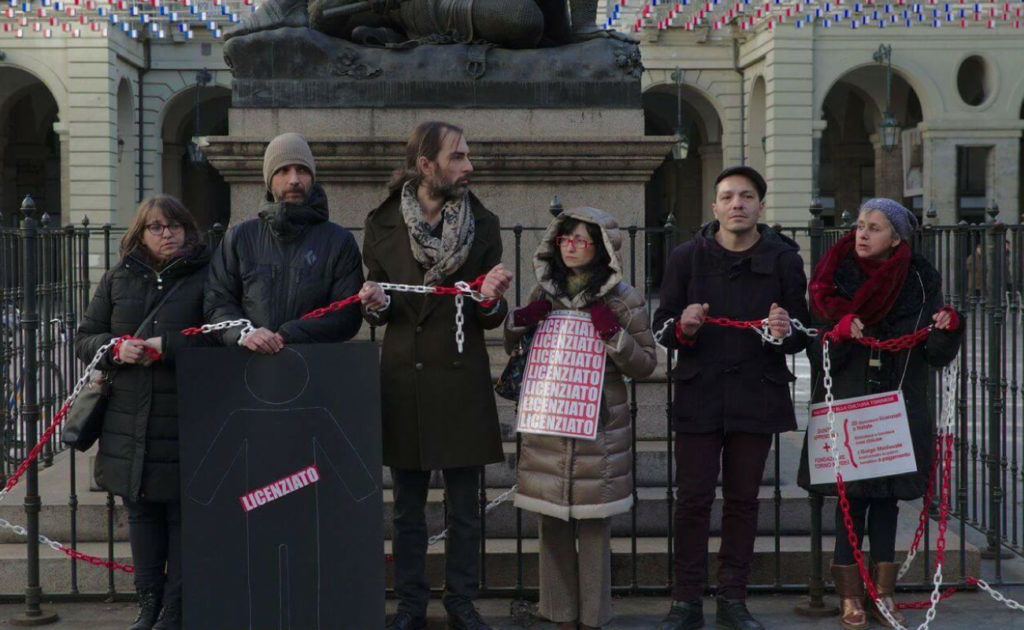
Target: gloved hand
point(947, 319)
point(604, 320)
point(531, 313)
point(844, 330)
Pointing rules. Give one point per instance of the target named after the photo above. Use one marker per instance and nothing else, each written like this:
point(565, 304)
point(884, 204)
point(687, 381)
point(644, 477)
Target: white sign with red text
point(562, 385)
point(874, 439)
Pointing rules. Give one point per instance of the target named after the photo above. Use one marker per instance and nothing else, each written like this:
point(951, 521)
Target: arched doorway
point(29, 146)
point(853, 165)
point(199, 186)
point(680, 187)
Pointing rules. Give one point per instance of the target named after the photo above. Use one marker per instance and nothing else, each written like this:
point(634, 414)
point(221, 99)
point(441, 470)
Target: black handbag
point(84, 422)
point(510, 382)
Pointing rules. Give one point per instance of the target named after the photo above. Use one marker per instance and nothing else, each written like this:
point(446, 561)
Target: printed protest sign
point(874, 439)
point(561, 393)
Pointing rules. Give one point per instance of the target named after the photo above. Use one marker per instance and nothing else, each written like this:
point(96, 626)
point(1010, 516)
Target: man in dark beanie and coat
point(438, 408)
point(731, 387)
point(290, 260)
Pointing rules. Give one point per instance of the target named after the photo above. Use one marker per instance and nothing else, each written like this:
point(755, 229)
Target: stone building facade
point(804, 105)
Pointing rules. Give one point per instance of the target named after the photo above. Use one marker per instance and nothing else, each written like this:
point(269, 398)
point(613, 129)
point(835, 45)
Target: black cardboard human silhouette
point(281, 502)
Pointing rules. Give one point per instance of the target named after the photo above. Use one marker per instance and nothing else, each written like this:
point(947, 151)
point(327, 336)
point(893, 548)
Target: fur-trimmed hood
point(610, 234)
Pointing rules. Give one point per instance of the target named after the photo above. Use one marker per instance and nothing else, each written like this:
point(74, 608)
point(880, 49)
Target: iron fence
point(46, 276)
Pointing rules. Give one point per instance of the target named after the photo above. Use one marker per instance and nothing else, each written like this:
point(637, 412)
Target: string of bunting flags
point(158, 19)
point(749, 15)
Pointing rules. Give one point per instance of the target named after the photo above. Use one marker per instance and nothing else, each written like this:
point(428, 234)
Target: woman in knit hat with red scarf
point(870, 284)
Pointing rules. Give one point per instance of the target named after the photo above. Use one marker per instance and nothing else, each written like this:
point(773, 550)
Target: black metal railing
point(982, 268)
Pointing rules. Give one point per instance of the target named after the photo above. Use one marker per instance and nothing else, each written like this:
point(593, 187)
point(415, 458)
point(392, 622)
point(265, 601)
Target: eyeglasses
point(156, 229)
point(577, 242)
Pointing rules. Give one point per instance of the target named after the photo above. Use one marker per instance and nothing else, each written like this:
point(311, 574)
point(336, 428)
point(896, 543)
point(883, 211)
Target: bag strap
point(152, 313)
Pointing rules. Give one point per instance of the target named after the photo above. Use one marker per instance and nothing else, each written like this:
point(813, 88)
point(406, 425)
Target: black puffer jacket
point(289, 261)
point(138, 452)
point(920, 298)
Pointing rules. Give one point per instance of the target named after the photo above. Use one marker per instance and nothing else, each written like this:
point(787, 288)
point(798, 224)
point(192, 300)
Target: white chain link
point(501, 498)
point(810, 332)
point(460, 319)
point(999, 597)
point(247, 328)
point(21, 531)
point(464, 291)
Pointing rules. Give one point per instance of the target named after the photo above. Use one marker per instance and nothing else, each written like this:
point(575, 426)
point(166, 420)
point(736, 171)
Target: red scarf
point(874, 298)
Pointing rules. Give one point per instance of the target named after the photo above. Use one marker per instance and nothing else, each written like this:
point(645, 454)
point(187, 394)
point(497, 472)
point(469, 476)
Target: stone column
point(711, 166)
point(61, 129)
point(6, 194)
point(888, 170)
point(789, 83)
point(940, 175)
point(1002, 182)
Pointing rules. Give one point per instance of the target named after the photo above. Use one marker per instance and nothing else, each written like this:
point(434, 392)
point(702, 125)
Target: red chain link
point(923, 520)
point(38, 448)
point(725, 322)
point(333, 306)
point(110, 565)
point(895, 344)
point(940, 543)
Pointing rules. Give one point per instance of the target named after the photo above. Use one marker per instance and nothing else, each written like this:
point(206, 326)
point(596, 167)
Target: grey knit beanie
point(903, 220)
point(287, 148)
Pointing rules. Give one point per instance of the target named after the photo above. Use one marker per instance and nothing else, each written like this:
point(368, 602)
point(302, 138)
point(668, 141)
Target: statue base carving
point(304, 68)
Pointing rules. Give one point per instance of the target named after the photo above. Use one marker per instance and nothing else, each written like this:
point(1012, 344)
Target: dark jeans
point(154, 531)
point(462, 545)
point(699, 456)
point(881, 516)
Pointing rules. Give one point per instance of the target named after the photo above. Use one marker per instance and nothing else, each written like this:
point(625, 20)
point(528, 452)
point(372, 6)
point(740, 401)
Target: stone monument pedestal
point(565, 122)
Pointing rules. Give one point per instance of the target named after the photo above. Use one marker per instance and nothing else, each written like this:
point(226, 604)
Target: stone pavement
point(963, 611)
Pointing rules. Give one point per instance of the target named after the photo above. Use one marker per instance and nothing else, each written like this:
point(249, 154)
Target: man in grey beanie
point(290, 260)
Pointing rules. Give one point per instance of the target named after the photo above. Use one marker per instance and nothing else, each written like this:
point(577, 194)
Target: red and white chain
point(247, 328)
point(833, 436)
point(34, 453)
point(759, 326)
point(943, 446)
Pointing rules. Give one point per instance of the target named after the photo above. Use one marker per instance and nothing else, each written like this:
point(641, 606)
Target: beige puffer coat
point(570, 478)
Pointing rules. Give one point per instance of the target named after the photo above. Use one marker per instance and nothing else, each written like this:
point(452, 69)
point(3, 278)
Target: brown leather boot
point(850, 589)
point(884, 576)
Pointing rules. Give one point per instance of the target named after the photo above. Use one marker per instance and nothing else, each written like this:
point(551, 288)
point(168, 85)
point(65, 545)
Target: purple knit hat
point(903, 220)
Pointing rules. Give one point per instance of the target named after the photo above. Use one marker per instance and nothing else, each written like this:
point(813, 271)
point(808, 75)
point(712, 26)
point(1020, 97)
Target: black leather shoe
point(466, 617)
point(733, 614)
point(405, 621)
point(149, 609)
point(683, 616)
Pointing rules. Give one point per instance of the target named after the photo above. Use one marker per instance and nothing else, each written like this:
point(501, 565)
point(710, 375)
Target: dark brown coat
point(437, 406)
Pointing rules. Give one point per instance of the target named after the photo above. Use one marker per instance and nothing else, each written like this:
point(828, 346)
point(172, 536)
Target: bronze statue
point(505, 23)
